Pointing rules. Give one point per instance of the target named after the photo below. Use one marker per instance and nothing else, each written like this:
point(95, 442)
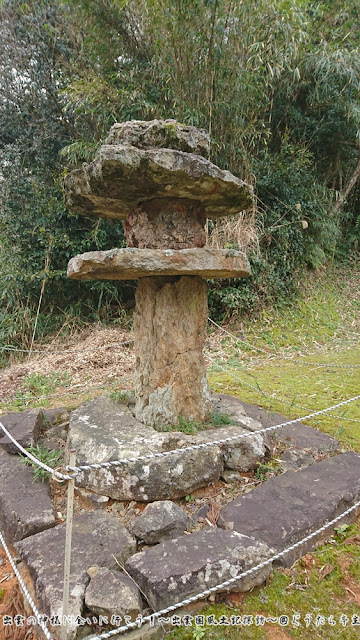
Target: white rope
point(272, 396)
point(150, 456)
point(26, 592)
point(50, 470)
point(281, 357)
point(227, 583)
point(104, 346)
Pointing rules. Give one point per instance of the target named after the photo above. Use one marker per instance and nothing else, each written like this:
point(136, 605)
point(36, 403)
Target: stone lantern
point(154, 176)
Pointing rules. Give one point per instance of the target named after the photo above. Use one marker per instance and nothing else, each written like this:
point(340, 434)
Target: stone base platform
point(104, 430)
point(172, 565)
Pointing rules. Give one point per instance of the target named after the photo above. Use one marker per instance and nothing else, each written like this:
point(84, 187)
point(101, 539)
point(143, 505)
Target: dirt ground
point(97, 357)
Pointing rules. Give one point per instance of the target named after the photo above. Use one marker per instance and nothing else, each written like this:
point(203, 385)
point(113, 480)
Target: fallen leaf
point(235, 599)
point(214, 512)
point(324, 571)
point(308, 561)
point(353, 540)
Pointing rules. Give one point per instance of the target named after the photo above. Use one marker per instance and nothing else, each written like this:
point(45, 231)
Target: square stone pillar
point(170, 332)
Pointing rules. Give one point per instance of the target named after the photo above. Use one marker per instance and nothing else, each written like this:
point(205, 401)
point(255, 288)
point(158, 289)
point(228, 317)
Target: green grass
point(49, 457)
point(216, 419)
point(40, 384)
point(327, 311)
point(299, 386)
point(263, 470)
point(122, 397)
point(35, 389)
point(185, 426)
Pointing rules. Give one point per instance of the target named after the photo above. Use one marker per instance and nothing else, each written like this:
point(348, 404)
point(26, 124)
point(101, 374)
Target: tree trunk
point(348, 187)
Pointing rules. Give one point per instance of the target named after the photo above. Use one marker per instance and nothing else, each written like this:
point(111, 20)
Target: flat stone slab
point(24, 426)
point(97, 537)
point(297, 435)
point(131, 264)
point(174, 570)
point(103, 430)
point(286, 508)
point(122, 176)
point(25, 505)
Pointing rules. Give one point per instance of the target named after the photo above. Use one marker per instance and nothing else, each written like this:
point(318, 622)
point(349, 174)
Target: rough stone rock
point(234, 409)
point(166, 222)
point(112, 593)
point(246, 453)
point(97, 538)
point(24, 426)
point(54, 417)
point(131, 264)
point(199, 514)
point(54, 444)
point(169, 333)
point(57, 434)
point(92, 499)
point(160, 521)
point(293, 459)
point(25, 505)
point(103, 430)
point(240, 455)
point(288, 507)
point(230, 476)
point(297, 435)
point(121, 177)
point(168, 134)
point(180, 568)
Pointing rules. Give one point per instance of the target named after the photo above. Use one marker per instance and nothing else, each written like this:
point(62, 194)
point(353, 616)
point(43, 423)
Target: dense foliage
point(275, 82)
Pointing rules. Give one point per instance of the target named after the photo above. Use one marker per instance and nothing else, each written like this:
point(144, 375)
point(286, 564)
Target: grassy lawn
point(322, 327)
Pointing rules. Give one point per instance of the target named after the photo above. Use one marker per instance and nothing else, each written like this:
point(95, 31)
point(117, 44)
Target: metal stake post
point(69, 523)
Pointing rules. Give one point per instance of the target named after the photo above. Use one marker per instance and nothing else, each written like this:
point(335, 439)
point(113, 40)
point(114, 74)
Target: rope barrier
point(150, 456)
point(226, 583)
point(35, 460)
point(278, 356)
point(273, 396)
point(25, 590)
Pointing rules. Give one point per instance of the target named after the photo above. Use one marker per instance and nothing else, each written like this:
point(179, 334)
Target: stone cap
point(131, 264)
point(164, 134)
point(122, 176)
